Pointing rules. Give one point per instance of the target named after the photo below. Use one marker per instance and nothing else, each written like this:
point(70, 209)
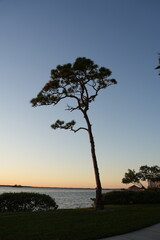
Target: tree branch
point(71, 109)
point(67, 126)
point(81, 128)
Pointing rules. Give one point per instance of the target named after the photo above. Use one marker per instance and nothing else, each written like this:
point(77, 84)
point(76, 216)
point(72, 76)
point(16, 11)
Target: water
point(65, 198)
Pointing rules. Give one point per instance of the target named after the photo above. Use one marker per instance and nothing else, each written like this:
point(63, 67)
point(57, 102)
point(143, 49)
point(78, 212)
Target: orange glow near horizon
point(67, 184)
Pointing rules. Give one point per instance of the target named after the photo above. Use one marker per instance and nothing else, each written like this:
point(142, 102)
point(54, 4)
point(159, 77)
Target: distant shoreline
point(21, 186)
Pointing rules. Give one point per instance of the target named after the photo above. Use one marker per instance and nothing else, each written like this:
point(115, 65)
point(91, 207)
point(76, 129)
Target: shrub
point(130, 197)
point(26, 201)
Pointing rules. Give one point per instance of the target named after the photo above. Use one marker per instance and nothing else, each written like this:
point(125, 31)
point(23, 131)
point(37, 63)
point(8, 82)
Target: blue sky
point(38, 35)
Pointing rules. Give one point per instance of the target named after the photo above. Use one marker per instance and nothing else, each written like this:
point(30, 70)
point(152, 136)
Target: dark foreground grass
point(77, 224)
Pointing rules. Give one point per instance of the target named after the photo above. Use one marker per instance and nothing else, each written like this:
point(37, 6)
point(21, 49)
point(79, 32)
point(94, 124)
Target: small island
point(17, 185)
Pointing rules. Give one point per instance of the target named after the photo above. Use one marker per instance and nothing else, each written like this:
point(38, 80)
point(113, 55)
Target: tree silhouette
point(81, 82)
point(132, 177)
point(158, 67)
point(146, 173)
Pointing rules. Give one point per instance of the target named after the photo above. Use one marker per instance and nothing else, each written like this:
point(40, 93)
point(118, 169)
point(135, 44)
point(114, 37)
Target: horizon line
point(25, 186)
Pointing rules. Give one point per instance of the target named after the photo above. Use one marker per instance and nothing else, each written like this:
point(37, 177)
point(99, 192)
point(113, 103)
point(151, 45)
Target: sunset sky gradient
point(38, 35)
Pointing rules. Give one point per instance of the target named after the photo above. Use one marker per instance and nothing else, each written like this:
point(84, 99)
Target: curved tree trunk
point(98, 201)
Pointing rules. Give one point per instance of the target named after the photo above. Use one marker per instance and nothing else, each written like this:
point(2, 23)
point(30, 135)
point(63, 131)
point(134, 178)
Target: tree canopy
point(145, 173)
point(158, 67)
point(80, 81)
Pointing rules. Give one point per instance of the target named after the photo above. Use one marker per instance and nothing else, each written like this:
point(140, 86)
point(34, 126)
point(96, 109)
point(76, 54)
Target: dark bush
point(130, 197)
point(26, 201)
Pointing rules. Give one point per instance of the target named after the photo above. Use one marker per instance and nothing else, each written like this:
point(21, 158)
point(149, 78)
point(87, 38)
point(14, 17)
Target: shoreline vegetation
point(70, 224)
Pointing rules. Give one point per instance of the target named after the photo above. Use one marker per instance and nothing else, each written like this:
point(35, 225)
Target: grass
point(79, 224)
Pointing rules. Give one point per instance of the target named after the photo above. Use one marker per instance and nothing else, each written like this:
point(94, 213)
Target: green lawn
point(77, 224)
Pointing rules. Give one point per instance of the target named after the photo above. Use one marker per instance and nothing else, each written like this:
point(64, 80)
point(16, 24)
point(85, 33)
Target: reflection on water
point(65, 198)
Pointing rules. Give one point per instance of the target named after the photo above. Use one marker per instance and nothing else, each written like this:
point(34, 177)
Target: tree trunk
point(98, 201)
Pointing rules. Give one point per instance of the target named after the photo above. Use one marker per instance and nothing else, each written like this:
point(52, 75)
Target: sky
point(38, 35)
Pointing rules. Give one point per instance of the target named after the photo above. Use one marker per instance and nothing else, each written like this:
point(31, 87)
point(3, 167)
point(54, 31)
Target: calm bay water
point(65, 198)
